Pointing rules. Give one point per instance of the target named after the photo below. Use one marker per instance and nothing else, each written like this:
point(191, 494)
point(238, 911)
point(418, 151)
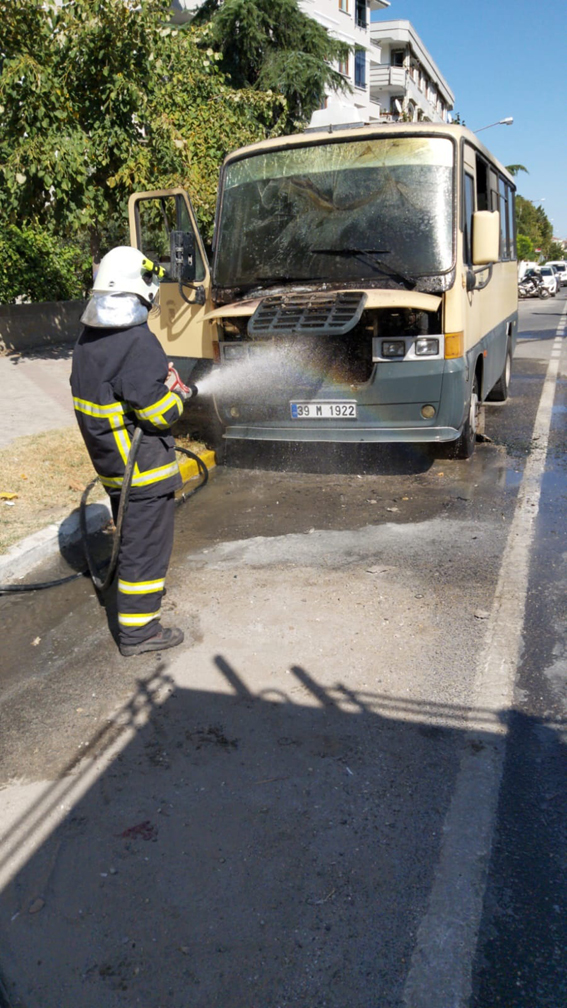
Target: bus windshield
point(307, 213)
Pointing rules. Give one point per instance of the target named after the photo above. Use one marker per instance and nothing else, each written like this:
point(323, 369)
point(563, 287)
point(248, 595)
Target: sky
point(505, 58)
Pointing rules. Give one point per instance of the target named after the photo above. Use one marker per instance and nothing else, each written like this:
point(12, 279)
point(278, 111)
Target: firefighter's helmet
point(126, 270)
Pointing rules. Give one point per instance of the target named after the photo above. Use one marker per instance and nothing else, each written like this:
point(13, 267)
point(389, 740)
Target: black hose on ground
point(101, 584)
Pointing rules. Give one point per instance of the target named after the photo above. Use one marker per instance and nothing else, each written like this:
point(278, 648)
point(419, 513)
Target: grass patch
point(48, 472)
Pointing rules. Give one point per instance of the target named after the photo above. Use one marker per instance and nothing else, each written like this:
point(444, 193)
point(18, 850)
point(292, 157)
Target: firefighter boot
point(166, 637)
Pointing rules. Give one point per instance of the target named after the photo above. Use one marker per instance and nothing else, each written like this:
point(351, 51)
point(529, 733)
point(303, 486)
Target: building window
point(360, 16)
point(360, 68)
point(343, 66)
point(397, 57)
point(343, 5)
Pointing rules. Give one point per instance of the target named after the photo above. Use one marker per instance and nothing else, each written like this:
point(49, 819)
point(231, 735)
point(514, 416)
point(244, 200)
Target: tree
point(38, 266)
point(514, 169)
point(556, 251)
point(533, 223)
point(99, 98)
point(526, 247)
point(274, 45)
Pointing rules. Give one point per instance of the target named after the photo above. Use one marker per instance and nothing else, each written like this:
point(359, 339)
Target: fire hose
point(101, 582)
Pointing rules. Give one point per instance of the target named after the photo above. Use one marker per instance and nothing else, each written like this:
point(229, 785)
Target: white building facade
point(349, 21)
point(390, 73)
point(404, 80)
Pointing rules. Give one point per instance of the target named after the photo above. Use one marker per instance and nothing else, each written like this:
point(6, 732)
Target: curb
point(50, 541)
point(189, 469)
point(54, 539)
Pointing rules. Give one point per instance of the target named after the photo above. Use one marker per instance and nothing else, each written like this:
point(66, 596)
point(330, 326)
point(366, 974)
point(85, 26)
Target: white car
point(550, 279)
point(560, 268)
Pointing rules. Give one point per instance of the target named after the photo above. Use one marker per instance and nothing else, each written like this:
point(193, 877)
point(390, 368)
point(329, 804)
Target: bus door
point(164, 227)
point(487, 322)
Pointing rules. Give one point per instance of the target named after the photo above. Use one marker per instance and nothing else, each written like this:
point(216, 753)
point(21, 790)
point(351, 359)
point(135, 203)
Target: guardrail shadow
point(238, 849)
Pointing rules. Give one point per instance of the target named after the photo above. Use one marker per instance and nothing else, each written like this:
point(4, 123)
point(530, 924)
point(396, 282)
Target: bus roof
point(311, 137)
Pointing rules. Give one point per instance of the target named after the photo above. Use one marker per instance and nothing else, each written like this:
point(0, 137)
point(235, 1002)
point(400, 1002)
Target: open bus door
point(164, 227)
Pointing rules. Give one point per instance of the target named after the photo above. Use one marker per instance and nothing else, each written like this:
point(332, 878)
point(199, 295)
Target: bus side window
point(481, 184)
point(495, 205)
point(468, 212)
point(504, 223)
point(511, 223)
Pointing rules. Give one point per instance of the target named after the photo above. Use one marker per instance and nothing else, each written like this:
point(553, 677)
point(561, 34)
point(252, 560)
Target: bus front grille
point(307, 313)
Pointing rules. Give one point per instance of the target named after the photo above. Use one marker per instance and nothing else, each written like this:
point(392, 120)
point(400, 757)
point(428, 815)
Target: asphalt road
point(347, 788)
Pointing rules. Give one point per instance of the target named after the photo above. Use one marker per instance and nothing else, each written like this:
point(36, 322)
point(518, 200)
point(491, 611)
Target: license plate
point(335, 410)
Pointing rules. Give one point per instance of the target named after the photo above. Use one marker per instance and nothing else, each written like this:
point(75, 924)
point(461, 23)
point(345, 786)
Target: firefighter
point(120, 380)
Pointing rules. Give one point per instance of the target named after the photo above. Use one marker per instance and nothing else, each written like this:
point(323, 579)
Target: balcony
point(391, 79)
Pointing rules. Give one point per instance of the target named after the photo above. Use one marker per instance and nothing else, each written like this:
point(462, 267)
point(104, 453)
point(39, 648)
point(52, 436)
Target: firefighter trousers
point(143, 559)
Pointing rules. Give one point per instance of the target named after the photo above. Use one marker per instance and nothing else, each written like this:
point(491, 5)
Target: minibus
point(362, 286)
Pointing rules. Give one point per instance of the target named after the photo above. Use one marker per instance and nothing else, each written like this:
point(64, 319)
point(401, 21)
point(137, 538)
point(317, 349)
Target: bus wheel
point(464, 446)
point(501, 391)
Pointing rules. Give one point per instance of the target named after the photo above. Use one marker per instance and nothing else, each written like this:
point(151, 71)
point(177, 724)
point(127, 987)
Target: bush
point(526, 247)
point(39, 266)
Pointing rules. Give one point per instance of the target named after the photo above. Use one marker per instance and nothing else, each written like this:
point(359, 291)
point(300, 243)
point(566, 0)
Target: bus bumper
point(388, 407)
point(375, 435)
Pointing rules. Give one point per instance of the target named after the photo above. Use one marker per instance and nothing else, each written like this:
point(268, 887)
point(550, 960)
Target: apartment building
point(183, 10)
point(405, 83)
point(390, 72)
point(349, 21)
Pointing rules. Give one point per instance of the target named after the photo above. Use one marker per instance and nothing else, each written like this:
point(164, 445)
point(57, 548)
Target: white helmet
point(126, 270)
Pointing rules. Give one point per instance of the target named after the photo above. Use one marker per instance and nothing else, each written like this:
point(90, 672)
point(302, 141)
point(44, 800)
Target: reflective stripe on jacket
point(118, 384)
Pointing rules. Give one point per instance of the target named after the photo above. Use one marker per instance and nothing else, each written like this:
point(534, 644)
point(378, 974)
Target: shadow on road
point(241, 849)
point(238, 850)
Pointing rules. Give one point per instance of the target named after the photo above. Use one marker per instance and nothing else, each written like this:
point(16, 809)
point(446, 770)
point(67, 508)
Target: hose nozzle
point(175, 384)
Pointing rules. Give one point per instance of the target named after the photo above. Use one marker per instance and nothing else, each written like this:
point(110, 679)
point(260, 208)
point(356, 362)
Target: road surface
point(347, 788)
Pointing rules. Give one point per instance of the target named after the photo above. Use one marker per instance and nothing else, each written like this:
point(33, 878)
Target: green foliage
point(533, 223)
point(100, 98)
point(37, 266)
point(526, 247)
point(514, 169)
point(274, 45)
point(556, 252)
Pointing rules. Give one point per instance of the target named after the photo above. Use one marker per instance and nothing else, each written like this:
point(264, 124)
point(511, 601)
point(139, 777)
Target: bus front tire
point(464, 446)
point(501, 391)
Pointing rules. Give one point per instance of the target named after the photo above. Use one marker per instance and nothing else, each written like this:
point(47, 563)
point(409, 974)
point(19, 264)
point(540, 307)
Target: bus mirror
point(486, 237)
point(182, 260)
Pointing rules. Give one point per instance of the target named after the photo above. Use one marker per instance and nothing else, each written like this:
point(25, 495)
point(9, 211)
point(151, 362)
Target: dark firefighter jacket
point(117, 380)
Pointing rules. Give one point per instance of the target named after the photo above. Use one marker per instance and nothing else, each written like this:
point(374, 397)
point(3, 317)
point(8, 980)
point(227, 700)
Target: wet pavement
point(258, 818)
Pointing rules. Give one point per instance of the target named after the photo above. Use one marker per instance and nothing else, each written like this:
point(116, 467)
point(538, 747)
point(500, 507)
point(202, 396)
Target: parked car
point(560, 267)
point(550, 279)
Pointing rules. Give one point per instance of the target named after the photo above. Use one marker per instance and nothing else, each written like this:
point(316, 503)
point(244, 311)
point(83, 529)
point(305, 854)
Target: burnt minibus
point(362, 286)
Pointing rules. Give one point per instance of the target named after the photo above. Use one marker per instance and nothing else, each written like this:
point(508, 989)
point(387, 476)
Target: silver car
point(561, 270)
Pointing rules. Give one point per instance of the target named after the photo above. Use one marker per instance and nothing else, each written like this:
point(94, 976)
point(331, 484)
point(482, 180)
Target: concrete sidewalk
point(36, 395)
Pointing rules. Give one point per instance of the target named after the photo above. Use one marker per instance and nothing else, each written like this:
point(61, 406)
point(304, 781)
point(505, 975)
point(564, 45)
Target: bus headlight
point(426, 347)
point(394, 348)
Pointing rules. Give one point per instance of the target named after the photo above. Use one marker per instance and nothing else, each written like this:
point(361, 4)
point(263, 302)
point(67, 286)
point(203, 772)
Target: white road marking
point(440, 972)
